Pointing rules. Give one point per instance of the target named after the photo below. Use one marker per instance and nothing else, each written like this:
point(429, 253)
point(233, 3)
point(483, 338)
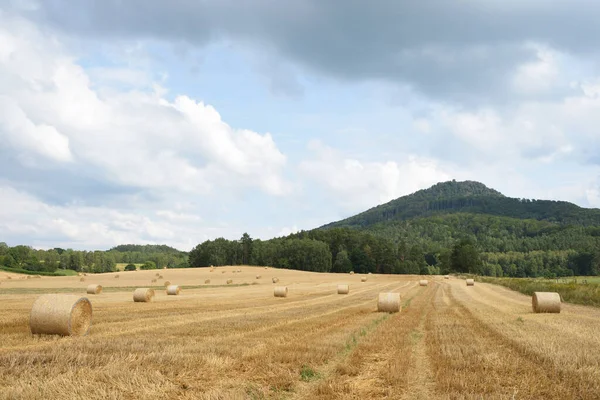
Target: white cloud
point(137, 138)
point(540, 75)
point(356, 184)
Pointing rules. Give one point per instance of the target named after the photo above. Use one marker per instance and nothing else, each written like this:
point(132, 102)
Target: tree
point(246, 249)
point(148, 265)
point(130, 267)
point(342, 262)
point(465, 258)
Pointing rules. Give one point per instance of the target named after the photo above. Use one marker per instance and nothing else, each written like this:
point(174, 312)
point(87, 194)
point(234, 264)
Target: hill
point(470, 197)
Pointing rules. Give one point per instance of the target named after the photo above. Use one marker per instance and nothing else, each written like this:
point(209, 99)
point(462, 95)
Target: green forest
point(461, 227)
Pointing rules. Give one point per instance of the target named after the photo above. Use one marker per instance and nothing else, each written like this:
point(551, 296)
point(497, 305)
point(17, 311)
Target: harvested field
point(222, 341)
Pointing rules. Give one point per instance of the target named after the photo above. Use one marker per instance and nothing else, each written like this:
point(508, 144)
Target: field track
point(239, 342)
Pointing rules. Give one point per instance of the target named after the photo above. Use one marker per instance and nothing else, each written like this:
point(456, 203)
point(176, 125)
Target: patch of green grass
point(520, 320)
point(27, 272)
point(416, 336)
point(570, 291)
point(308, 374)
point(65, 272)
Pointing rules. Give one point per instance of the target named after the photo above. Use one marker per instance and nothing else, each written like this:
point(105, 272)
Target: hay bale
point(229, 281)
point(470, 282)
point(446, 277)
point(28, 276)
point(167, 283)
point(153, 281)
point(117, 276)
point(343, 289)
point(79, 274)
point(157, 274)
point(84, 274)
point(388, 302)
point(223, 272)
point(143, 295)
point(351, 272)
point(61, 314)
point(423, 282)
point(160, 277)
point(545, 302)
point(94, 289)
point(363, 279)
point(280, 291)
point(239, 270)
point(266, 267)
point(275, 280)
point(9, 277)
point(173, 290)
point(82, 279)
point(370, 273)
point(207, 281)
point(258, 276)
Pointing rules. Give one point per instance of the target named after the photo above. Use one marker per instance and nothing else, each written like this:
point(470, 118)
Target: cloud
point(465, 50)
point(87, 159)
point(357, 185)
point(135, 138)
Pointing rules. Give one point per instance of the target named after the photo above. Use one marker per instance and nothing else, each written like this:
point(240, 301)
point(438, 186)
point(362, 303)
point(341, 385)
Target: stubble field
point(238, 341)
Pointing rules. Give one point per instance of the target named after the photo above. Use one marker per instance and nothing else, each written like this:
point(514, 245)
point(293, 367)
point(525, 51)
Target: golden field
point(238, 341)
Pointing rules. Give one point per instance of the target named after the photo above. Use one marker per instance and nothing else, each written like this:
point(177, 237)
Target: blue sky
point(177, 122)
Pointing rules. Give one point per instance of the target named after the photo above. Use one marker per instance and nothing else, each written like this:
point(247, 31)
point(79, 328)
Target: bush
point(148, 265)
point(130, 267)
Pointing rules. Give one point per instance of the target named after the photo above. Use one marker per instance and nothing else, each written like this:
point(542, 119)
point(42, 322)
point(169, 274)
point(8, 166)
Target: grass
point(571, 292)
point(308, 374)
point(58, 272)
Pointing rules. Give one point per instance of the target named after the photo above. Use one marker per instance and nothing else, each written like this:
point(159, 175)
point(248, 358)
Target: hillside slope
point(470, 197)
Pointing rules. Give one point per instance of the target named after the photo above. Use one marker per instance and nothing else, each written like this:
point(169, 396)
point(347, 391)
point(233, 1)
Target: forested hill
point(470, 197)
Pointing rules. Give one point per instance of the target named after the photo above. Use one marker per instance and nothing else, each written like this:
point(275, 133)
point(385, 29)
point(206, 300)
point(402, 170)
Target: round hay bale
point(157, 274)
point(266, 267)
point(160, 277)
point(117, 276)
point(229, 281)
point(258, 276)
point(370, 273)
point(84, 274)
point(207, 281)
point(423, 282)
point(239, 270)
point(351, 272)
point(167, 283)
point(61, 314)
point(153, 281)
point(275, 280)
point(223, 272)
point(470, 282)
point(143, 295)
point(545, 302)
point(79, 274)
point(94, 289)
point(388, 302)
point(363, 279)
point(173, 290)
point(343, 289)
point(82, 279)
point(446, 277)
point(280, 291)
point(9, 277)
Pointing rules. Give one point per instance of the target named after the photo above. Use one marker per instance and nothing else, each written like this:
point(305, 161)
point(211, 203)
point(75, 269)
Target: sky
point(175, 122)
